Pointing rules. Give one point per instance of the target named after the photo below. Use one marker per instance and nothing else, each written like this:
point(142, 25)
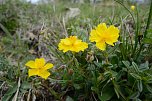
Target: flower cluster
point(102, 35)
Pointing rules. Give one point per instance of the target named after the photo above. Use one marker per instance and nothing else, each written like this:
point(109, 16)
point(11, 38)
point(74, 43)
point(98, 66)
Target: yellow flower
point(72, 44)
point(103, 35)
point(39, 67)
point(132, 7)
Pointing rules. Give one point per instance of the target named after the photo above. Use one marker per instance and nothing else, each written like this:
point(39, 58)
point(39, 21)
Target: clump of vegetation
point(100, 55)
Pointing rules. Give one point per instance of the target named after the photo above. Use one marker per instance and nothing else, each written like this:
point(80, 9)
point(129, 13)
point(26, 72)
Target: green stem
point(126, 9)
point(147, 27)
point(136, 34)
point(55, 94)
point(149, 19)
point(136, 25)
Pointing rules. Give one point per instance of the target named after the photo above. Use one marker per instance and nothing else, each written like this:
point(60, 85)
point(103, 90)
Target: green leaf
point(114, 74)
point(144, 66)
point(135, 76)
point(149, 80)
point(134, 95)
point(147, 41)
point(10, 92)
point(118, 90)
point(95, 89)
point(149, 34)
point(135, 66)
point(68, 98)
point(98, 64)
point(149, 30)
point(126, 63)
point(5, 30)
point(77, 86)
point(137, 99)
point(139, 85)
point(106, 94)
point(114, 60)
point(26, 85)
point(149, 88)
point(6, 97)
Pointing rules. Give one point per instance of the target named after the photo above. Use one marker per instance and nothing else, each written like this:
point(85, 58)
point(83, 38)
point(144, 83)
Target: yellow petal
point(95, 36)
point(77, 42)
point(63, 47)
point(83, 46)
point(32, 72)
point(72, 39)
point(114, 31)
point(31, 64)
point(101, 45)
point(47, 66)
point(39, 62)
point(44, 74)
point(74, 46)
point(110, 43)
point(113, 34)
point(65, 42)
point(101, 28)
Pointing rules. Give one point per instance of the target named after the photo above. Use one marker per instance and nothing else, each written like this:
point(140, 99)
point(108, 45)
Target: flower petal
point(65, 42)
point(32, 72)
point(44, 74)
point(39, 62)
point(113, 31)
point(101, 28)
point(101, 45)
point(47, 66)
point(113, 34)
point(31, 64)
point(95, 36)
point(63, 47)
point(110, 42)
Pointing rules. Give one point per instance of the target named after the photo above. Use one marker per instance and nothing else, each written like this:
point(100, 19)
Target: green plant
point(122, 72)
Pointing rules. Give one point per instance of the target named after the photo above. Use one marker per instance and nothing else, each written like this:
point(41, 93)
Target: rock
point(71, 13)
point(95, 1)
point(78, 1)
